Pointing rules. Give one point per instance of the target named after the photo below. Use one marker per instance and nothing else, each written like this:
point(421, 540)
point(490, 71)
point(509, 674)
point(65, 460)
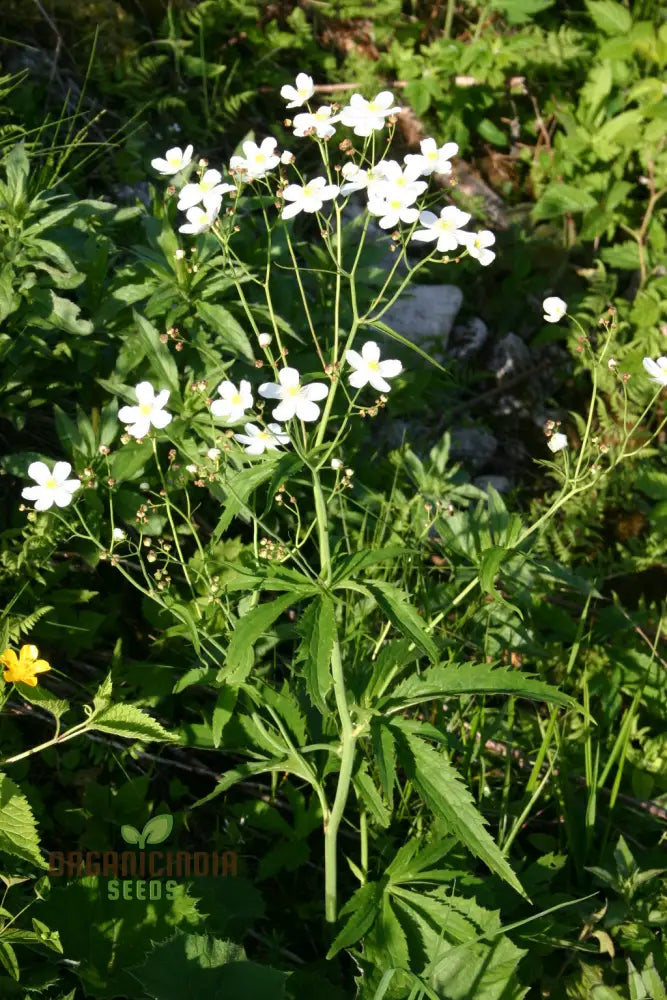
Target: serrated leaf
point(130, 722)
point(230, 334)
point(223, 711)
point(370, 797)
point(396, 606)
point(18, 830)
point(362, 909)
point(471, 678)
point(237, 489)
point(162, 362)
point(240, 653)
point(9, 960)
point(559, 198)
point(318, 628)
point(491, 562)
point(197, 965)
point(44, 698)
point(384, 751)
point(444, 792)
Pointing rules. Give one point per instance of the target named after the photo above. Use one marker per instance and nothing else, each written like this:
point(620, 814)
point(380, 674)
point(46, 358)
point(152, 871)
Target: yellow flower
point(23, 667)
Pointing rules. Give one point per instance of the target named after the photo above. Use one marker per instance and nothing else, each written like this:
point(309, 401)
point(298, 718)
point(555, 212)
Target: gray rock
point(468, 338)
point(510, 356)
point(425, 313)
point(500, 483)
point(472, 446)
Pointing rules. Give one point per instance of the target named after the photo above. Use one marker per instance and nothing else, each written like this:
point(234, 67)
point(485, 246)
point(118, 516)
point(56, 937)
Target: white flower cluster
point(392, 189)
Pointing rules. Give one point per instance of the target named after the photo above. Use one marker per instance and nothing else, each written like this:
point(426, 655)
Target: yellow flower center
point(374, 366)
point(307, 190)
point(145, 408)
point(395, 205)
point(293, 390)
point(444, 225)
point(236, 399)
point(205, 186)
point(303, 93)
point(372, 106)
point(260, 158)
point(264, 436)
point(321, 116)
point(173, 160)
point(433, 155)
point(401, 182)
point(50, 484)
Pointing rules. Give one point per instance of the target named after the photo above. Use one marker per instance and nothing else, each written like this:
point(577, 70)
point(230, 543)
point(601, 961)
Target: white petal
point(161, 399)
point(288, 378)
point(359, 378)
point(160, 418)
point(44, 501)
point(316, 390)
point(189, 196)
point(145, 394)
point(285, 410)
point(61, 471)
point(140, 427)
point(128, 414)
point(269, 390)
point(40, 472)
point(62, 497)
point(355, 359)
point(378, 382)
point(370, 351)
point(391, 368)
point(425, 235)
point(291, 210)
point(305, 410)
point(32, 492)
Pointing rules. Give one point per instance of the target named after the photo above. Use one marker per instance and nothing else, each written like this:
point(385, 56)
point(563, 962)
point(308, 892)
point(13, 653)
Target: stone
point(425, 313)
point(468, 338)
point(472, 446)
point(501, 483)
point(510, 356)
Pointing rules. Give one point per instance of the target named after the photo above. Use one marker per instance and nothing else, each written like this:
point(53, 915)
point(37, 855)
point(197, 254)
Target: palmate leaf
point(444, 792)
point(361, 910)
point(471, 678)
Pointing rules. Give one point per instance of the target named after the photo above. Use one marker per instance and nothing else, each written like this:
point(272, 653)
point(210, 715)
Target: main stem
point(348, 735)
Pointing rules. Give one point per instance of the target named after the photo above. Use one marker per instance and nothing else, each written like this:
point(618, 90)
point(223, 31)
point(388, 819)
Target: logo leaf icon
point(157, 829)
point(130, 834)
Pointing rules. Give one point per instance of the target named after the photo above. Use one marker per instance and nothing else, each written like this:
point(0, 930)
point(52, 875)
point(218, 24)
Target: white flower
point(264, 339)
point(118, 535)
point(258, 441)
point(477, 243)
point(179, 254)
point(554, 309)
point(200, 219)
point(432, 160)
point(393, 211)
point(369, 368)
point(336, 463)
point(234, 402)
point(307, 198)
point(174, 161)
point(656, 369)
point(446, 229)
point(612, 364)
point(398, 182)
point(358, 179)
point(296, 400)
point(557, 442)
point(191, 468)
point(213, 453)
point(298, 95)
point(286, 157)
point(365, 116)
point(319, 120)
point(150, 411)
point(53, 487)
point(144, 486)
point(209, 184)
point(258, 160)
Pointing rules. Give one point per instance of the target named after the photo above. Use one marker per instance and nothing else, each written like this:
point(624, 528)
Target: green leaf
point(396, 606)
point(223, 711)
point(161, 360)
point(18, 830)
point(238, 487)
point(362, 909)
point(197, 965)
point(9, 960)
point(370, 797)
point(610, 17)
point(520, 11)
point(240, 653)
point(491, 561)
point(347, 567)
point(384, 750)
point(318, 628)
point(559, 198)
point(44, 698)
point(57, 312)
point(230, 334)
point(471, 678)
point(492, 133)
point(157, 829)
point(18, 168)
point(130, 722)
point(443, 791)
point(624, 256)
point(130, 459)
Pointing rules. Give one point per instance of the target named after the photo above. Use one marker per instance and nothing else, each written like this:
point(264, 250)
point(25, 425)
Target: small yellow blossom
point(23, 667)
